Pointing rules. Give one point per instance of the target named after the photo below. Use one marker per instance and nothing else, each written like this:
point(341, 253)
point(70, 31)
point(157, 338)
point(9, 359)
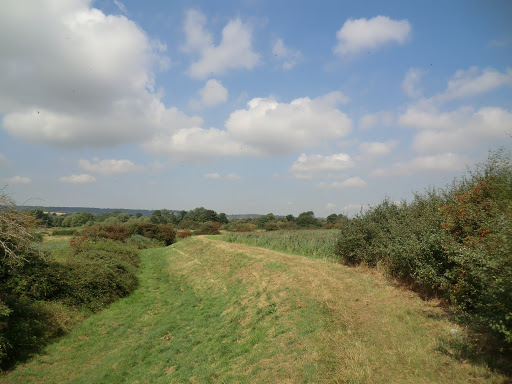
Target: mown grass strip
point(191, 319)
point(210, 311)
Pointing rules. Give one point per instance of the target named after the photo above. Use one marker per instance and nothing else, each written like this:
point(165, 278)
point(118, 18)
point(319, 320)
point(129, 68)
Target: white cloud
point(330, 206)
point(121, 6)
point(463, 128)
point(217, 176)
point(364, 34)
point(368, 121)
point(197, 144)
point(212, 93)
point(308, 166)
point(288, 57)
point(266, 127)
point(18, 180)
point(277, 128)
point(384, 118)
point(472, 82)
point(109, 167)
point(232, 176)
point(78, 179)
point(234, 51)
point(446, 162)
point(352, 182)
point(72, 76)
point(377, 148)
point(411, 81)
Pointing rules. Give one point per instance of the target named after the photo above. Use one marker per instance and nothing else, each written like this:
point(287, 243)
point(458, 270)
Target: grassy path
point(210, 311)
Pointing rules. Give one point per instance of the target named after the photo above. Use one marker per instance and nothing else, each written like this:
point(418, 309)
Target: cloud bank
point(362, 34)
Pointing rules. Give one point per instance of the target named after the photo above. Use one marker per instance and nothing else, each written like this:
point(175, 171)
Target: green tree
point(290, 218)
point(223, 219)
point(202, 215)
point(332, 219)
point(42, 217)
point(307, 220)
point(265, 219)
point(167, 217)
point(81, 218)
point(156, 217)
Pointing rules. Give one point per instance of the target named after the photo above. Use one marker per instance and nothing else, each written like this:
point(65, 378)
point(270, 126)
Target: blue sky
point(248, 106)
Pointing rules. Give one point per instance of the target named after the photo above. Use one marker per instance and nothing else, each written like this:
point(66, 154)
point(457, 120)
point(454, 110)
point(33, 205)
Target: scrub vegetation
point(455, 243)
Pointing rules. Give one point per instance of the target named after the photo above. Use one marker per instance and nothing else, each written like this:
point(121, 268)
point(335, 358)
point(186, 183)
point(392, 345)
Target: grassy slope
point(209, 311)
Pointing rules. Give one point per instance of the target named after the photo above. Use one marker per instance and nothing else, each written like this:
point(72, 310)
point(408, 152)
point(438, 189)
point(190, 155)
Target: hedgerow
point(455, 243)
point(40, 298)
point(164, 233)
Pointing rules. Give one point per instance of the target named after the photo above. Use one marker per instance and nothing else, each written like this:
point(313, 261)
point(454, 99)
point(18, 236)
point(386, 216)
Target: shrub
point(35, 292)
point(271, 226)
point(141, 242)
point(188, 224)
point(184, 234)
point(454, 242)
point(114, 231)
point(477, 223)
point(240, 226)
point(161, 232)
point(99, 274)
point(208, 228)
point(16, 251)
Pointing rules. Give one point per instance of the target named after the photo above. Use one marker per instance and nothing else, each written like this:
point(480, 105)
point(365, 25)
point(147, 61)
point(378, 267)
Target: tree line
point(189, 219)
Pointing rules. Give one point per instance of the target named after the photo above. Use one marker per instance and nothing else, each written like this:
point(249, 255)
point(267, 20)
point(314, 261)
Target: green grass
point(318, 244)
point(210, 311)
point(56, 248)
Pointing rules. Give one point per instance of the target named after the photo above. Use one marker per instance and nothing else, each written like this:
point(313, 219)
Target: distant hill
point(146, 212)
point(244, 216)
point(94, 211)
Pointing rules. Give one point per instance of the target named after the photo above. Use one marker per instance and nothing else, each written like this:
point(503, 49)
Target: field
point(212, 311)
point(312, 243)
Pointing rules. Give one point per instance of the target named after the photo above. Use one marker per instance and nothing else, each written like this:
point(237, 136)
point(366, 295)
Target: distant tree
point(212, 216)
point(123, 217)
point(66, 221)
point(57, 221)
point(332, 219)
point(223, 219)
point(167, 217)
point(42, 218)
point(265, 219)
point(202, 215)
point(81, 218)
point(182, 215)
point(307, 220)
point(156, 217)
point(290, 218)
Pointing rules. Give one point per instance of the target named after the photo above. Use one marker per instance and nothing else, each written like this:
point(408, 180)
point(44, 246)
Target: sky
point(248, 106)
